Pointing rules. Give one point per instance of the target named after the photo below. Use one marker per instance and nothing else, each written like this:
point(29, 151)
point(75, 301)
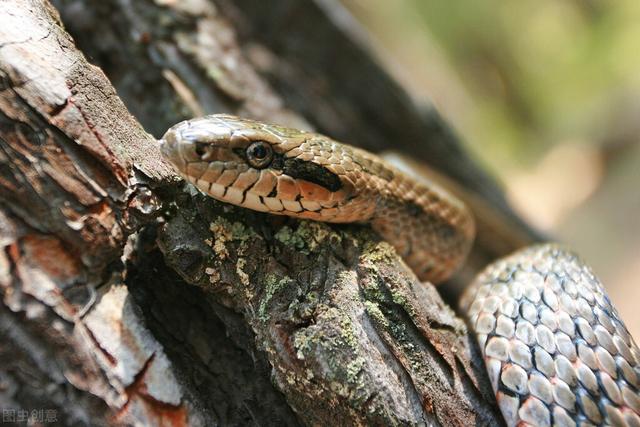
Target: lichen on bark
point(343, 322)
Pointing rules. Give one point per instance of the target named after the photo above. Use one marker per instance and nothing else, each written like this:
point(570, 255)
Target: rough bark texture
point(127, 297)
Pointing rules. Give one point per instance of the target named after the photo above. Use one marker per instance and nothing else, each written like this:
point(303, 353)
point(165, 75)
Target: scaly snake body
point(555, 349)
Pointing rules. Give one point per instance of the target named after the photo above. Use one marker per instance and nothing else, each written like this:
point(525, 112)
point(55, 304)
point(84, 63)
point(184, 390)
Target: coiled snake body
point(555, 349)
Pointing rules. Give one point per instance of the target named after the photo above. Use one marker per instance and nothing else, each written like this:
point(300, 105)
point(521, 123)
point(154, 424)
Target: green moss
point(241, 232)
point(400, 299)
point(347, 331)
point(378, 252)
point(341, 351)
point(307, 236)
point(376, 314)
point(374, 255)
point(304, 308)
point(384, 304)
point(289, 238)
point(302, 343)
point(224, 230)
point(353, 369)
point(273, 285)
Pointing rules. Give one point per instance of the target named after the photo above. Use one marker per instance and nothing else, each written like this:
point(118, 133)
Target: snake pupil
point(259, 152)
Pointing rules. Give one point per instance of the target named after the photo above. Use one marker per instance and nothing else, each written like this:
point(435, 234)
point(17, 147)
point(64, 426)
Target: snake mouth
point(198, 141)
point(217, 162)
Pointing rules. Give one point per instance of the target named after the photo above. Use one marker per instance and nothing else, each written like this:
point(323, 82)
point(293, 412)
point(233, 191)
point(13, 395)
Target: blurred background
point(546, 95)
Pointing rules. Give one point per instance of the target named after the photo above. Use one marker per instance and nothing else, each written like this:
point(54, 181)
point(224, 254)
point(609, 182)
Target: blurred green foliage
point(537, 72)
point(547, 94)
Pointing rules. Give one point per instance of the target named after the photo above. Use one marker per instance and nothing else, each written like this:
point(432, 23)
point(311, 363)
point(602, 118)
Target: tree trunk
point(126, 297)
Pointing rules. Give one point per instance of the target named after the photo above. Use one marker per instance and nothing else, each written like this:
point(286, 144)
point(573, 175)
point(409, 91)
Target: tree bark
point(128, 297)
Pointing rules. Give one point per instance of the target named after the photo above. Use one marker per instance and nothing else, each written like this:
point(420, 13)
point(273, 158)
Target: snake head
point(285, 171)
point(264, 167)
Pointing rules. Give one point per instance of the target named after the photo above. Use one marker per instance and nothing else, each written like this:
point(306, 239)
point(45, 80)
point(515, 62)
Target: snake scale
point(555, 349)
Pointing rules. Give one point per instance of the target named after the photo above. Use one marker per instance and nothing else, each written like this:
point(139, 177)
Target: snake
point(555, 349)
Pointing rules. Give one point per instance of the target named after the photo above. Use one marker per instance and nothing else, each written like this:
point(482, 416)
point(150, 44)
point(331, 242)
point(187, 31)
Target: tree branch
point(128, 297)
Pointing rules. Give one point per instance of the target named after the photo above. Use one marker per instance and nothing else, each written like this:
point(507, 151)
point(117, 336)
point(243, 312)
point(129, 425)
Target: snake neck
point(433, 237)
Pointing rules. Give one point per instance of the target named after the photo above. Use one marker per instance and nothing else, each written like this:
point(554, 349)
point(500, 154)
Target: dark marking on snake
point(312, 172)
point(414, 209)
point(277, 162)
point(444, 230)
point(301, 169)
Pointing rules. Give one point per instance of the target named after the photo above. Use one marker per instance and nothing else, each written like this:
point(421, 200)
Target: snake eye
point(259, 154)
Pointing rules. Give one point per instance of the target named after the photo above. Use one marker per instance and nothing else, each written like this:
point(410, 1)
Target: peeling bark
point(73, 185)
point(126, 297)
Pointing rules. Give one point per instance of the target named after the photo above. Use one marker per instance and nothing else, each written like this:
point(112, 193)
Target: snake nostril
point(201, 149)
